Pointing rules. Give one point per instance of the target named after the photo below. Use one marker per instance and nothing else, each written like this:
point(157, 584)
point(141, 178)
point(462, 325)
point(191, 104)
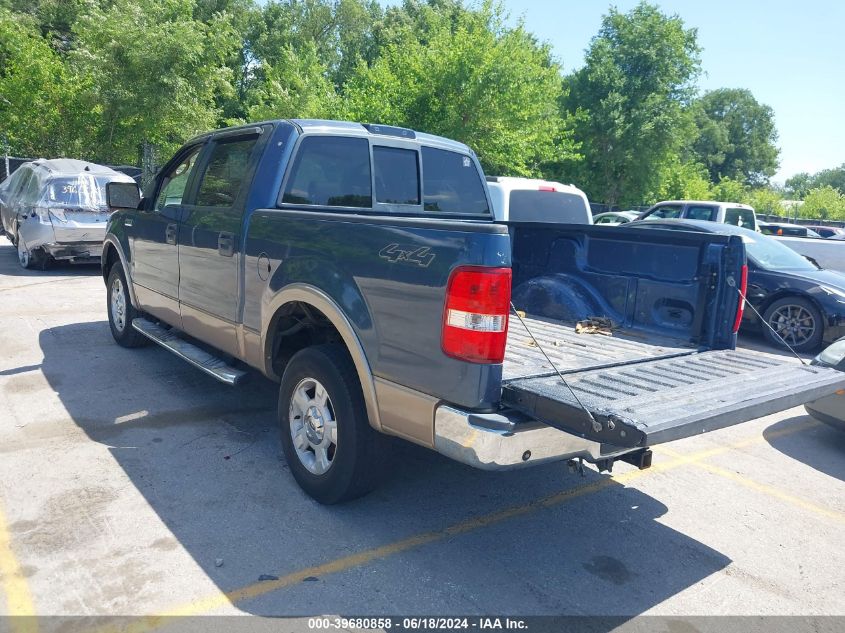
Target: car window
point(452, 184)
point(173, 189)
point(225, 173)
point(606, 220)
point(331, 171)
point(770, 254)
point(666, 211)
point(740, 217)
point(397, 175)
point(84, 190)
point(529, 205)
point(697, 212)
point(11, 183)
point(29, 189)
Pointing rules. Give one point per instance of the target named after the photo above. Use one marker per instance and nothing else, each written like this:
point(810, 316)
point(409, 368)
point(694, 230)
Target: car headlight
point(834, 353)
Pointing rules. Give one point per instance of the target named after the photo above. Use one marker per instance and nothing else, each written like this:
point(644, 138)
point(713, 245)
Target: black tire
point(125, 335)
point(357, 460)
point(35, 259)
point(794, 312)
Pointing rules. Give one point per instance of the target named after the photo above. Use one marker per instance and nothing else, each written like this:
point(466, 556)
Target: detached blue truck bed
point(359, 266)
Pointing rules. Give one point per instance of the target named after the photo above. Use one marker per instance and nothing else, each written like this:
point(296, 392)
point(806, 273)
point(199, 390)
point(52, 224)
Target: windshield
point(84, 190)
point(773, 255)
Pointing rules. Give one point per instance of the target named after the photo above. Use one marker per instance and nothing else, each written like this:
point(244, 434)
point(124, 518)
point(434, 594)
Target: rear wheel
point(797, 321)
point(331, 449)
point(31, 259)
point(121, 311)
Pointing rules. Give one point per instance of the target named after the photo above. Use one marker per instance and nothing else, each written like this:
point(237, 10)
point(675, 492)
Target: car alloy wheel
point(313, 426)
point(794, 324)
point(118, 304)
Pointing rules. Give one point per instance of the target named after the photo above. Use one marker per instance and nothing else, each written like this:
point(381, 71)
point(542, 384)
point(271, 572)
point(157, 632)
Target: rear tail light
point(743, 288)
point(475, 320)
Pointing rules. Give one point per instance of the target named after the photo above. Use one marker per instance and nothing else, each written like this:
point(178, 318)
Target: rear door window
point(700, 212)
point(452, 183)
point(226, 172)
point(331, 171)
point(740, 217)
point(397, 175)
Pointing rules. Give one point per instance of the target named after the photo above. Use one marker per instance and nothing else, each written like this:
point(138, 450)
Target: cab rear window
point(740, 217)
point(452, 184)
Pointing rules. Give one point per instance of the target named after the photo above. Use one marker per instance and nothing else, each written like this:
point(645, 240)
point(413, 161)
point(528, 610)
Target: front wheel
point(797, 321)
point(121, 311)
point(331, 449)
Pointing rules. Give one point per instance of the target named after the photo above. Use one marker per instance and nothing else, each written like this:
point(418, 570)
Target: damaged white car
point(56, 210)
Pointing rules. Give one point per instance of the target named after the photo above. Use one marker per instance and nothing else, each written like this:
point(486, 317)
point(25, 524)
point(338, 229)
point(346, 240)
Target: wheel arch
point(113, 252)
point(291, 299)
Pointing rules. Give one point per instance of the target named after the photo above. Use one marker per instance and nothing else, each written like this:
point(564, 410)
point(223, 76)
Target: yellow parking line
point(255, 590)
point(14, 585)
point(766, 489)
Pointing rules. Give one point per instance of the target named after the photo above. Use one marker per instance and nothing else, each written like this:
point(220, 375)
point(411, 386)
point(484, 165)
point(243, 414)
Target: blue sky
point(791, 55)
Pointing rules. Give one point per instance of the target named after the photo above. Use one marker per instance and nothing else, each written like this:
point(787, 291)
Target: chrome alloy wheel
point(793, 323)
point(118, 304)
point(313, 426)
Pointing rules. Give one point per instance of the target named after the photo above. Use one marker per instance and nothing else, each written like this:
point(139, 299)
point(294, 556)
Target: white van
point(533, 200)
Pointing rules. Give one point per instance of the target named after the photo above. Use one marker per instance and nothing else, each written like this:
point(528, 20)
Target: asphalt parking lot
point(132, 484)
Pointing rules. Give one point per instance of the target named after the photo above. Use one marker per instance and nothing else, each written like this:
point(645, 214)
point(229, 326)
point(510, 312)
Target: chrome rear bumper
point(496, 441)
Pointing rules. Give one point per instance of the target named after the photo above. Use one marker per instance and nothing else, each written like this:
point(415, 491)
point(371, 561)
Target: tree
point(631, 96)
point(467, 76)
point(154, 72)
point(736, 136)
point(38, 94)
point(799, 185)
point(825, 203)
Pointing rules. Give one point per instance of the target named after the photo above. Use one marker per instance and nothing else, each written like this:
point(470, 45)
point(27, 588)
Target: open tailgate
point(656, 401)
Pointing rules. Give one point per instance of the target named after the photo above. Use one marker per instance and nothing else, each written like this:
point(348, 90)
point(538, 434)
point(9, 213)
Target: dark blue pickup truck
point(360, 267)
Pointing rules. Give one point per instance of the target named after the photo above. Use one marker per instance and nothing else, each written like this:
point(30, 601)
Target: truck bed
point(668, 371)
point(573, 352)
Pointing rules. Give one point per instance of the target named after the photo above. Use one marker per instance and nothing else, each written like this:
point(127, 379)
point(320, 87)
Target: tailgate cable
point(732, 284)
point(597, 427)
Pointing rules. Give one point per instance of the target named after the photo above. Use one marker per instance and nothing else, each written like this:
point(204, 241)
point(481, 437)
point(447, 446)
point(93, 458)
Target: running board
point(169, 339)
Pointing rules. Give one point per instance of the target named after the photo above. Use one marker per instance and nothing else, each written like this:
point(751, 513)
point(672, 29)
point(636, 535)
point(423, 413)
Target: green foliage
point(826, 203)
point(736, 136)
point(631, 95)
point(767, 201)
point(154, 72)
point(681, 181)
point(37, 91)
point(729, 190)
point(467, 76)
point(800, 184)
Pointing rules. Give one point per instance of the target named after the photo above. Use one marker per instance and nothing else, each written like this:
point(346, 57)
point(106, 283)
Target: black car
point(803, 303)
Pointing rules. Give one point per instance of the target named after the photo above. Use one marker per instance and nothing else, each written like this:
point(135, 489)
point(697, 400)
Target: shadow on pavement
point(207, 460)
point(822, 447)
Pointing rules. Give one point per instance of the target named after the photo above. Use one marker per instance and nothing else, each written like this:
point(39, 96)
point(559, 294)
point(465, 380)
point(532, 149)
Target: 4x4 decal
point(419, 255)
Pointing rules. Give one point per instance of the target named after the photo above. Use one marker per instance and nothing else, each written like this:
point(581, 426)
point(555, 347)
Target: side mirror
point(122, 195)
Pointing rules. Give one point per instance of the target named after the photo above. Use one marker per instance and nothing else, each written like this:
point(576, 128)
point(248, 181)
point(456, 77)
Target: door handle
point(170, 234)
point(226, 244)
